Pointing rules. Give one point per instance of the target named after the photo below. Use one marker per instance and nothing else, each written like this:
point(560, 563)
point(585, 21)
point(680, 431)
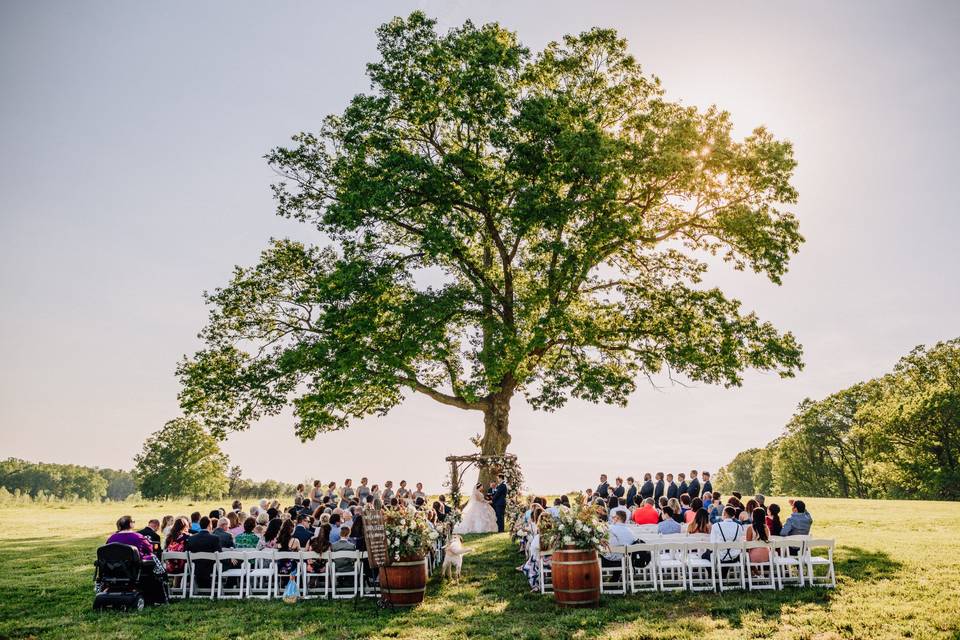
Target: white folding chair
point(313, 584)
point(196, 590)
point(236, 571)
point(700, 573)
point(613, 579)
point(371, 590)
point(811, 562)
point(785, 562)
point(729, 563)
point(760, 575)
point(642, 578)
point(670, 558)
point(260, 571)
point(177, 580)
point(544, 571)
point(337, 591)
point(281, 559)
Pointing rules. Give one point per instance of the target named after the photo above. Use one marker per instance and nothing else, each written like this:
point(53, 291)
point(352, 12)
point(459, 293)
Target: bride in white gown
point(479, 516)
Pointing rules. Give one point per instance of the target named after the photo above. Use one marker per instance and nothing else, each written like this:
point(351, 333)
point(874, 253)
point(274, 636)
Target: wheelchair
point(122, 581)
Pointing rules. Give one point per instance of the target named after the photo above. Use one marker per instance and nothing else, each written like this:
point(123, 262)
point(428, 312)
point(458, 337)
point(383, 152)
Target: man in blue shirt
point(620, 536)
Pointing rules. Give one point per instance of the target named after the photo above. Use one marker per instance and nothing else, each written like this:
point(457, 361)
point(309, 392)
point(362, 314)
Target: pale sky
point(132, 179)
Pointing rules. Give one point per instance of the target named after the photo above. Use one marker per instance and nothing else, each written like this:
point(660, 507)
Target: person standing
point(603, 489)
point(694, 487)
point(499, 501)
point(631, 491)
point(672, 491)
point(363, 491)
point(658, 488)
point(707, 486)
point(617, 492)
point(646, 491)
point(682, 485)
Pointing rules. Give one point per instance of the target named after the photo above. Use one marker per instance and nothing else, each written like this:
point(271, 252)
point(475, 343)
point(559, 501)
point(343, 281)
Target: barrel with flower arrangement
point(575, 535)
point(403, 579)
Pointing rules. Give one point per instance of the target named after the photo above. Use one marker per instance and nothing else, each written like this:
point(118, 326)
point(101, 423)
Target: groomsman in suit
point(499, 500)
point(631, 492)
point(672, 490)
point(616, 493)
point(682, 489)
point(658, 488)
point(706, 482)
point(694, 487)
point(646, 491)
point(603, 489)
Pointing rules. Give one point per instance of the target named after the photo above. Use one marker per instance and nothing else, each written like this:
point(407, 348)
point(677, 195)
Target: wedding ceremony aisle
point(890, 555)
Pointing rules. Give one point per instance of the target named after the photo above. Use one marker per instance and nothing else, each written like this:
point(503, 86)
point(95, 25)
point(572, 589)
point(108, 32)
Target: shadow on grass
point(492, 600)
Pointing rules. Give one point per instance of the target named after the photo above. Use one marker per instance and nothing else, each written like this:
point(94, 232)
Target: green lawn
point(898, 567)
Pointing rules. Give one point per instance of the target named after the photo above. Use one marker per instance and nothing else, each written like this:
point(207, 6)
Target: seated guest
point(758, 530)
point(555, 509)
point(176, 540)
point(302, 531)
point(126, 535)
point(286, 543)
point(668, 525)
point(269, 539)
point(273, 513)
point(761, 500)
point(343, 543)
point(194, 522)
point(152, 533)
point(223, 532)
point(695, 505)
point(334, 527)
point(674, 505)
point(440, 508)
point(620, 536)
point(727, 530)
point(203, 541)
point(684, 505)
point(236, 519)
point(620, 508)
point(773, 519)
point(248, 539)
point(700, 522)
point(707, 498)
point(799, 522)
point(319, 544)
point(646, 514)
point(166, 525)
point(237, 506)
point(746, 516)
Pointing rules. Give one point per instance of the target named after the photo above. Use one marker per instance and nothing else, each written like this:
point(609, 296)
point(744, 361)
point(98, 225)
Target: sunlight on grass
point(898, 569)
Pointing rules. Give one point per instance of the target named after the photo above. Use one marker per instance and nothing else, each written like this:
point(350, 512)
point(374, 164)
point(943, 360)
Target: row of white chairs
point(247, 573)
point(677, 563)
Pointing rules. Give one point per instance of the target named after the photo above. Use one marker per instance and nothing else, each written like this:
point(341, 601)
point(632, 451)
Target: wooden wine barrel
point(403, 582)
point(576, 578)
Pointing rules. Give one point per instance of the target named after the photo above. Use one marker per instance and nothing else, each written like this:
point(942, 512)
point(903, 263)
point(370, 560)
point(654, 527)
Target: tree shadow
point(491, 600)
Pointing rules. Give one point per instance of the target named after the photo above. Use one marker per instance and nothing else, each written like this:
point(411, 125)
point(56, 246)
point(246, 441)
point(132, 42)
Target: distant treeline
point(42, 481)
point(897, 436)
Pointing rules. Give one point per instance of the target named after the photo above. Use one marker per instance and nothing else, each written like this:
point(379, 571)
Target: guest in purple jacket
point(126, 535)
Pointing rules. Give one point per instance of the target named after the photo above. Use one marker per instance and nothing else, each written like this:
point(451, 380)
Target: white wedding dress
point(478, 517)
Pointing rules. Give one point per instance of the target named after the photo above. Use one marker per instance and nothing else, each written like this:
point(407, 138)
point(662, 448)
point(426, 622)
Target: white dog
point(453, 557)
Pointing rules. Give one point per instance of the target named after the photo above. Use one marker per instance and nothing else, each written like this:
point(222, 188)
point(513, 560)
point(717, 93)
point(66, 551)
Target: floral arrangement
point(454, 516)
point(577, 527)
point(408, 534)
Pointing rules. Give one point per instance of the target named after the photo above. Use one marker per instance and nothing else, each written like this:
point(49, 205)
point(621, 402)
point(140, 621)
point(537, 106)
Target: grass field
point(898, 567)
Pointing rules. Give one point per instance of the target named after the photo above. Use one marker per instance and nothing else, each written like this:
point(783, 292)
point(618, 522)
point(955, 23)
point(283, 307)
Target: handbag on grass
point(292, 593)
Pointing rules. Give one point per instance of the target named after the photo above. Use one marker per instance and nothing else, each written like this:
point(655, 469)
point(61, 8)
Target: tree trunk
point(496, 437)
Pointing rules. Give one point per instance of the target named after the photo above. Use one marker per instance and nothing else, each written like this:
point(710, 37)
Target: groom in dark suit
point(499, 500)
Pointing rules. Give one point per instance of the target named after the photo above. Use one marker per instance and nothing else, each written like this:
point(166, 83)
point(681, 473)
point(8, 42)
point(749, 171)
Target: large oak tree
point(562, 208)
